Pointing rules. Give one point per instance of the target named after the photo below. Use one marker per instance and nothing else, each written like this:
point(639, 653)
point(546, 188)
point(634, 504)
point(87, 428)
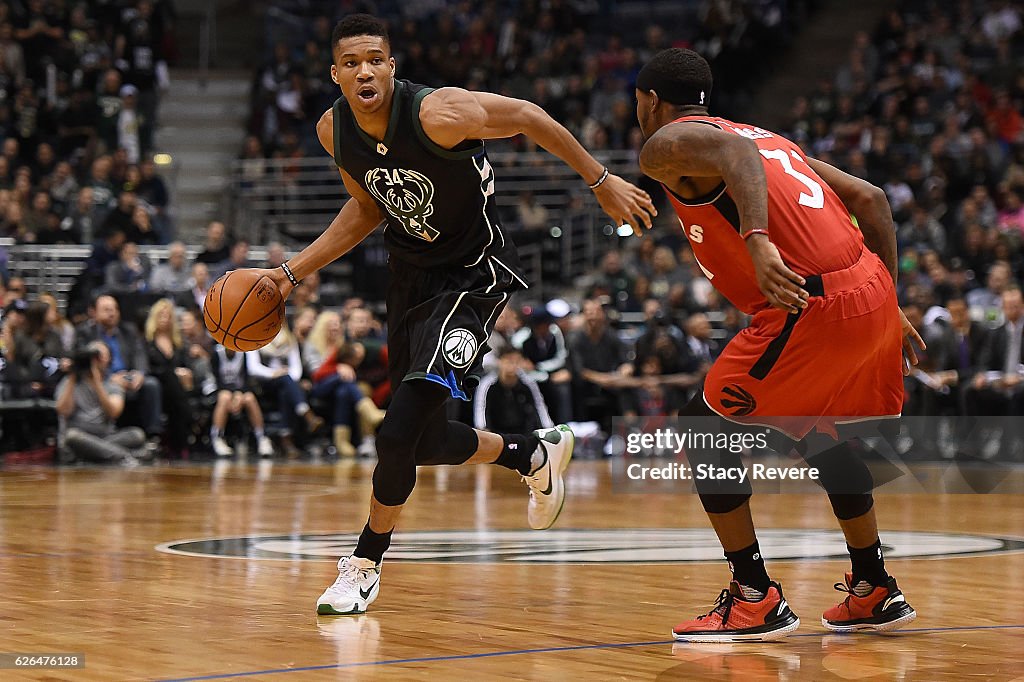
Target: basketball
point(244, 310)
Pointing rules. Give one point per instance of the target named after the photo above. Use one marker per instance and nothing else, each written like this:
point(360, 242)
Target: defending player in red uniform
point(771, 229)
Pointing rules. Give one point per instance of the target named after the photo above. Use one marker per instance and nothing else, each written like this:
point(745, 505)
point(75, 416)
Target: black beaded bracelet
point(600, 180)
point(289, 275)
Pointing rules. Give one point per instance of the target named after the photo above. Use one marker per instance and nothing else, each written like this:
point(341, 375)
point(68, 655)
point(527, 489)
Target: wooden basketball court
point(80, 572)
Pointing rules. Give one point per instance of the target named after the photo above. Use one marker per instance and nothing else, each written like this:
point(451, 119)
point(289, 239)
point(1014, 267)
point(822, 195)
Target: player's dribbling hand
point(910, 334)
point(781, 286)
point(280, 279)
point(626, 203)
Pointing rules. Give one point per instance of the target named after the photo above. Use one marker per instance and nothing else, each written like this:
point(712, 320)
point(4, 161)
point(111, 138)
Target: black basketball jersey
point(438, 201)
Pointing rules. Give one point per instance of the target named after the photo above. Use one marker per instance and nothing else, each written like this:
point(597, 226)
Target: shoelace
point(351, 575)
point(843, 587)
point(723, 605)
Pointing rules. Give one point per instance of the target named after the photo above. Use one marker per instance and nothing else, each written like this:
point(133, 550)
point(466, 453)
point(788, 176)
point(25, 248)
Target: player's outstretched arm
point(358, 217)
point(874, 217)
point(451, 115)
point(700, 151)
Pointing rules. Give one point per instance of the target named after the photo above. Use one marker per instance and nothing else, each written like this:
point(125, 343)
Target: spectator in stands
point(200, 283)
point(333, 362)
point(108, 103)
point(82, 221)
point(922, 231)
point(153, 191)
point(217, 246)
point(60, 324)
point(169, 363)
point(532, 217)
point(698, 337)
point(545, 358)
point(985, 302)
point(129, 362)
point(175, 276)
point(89, 403)
point(363, 328)
point(37, 353)
point(506, 326)
point(230, 377)
point(129, 273)
point(275, 255)
point(17, 290)
point(238, 258)
point(307, 293)
point(662, 338)
point(955, 350)
point(508, 400)
point(614, 281)
point(302, 324)
point(998, 387)
point(129, 123)
point(277, 367)
point(120, 218)
point(599, 361)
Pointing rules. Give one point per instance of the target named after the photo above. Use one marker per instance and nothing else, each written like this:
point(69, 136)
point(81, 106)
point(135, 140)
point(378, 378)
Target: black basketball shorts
point(439, 319)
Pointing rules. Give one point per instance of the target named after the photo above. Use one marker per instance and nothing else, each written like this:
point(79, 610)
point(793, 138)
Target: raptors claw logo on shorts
point(459, 347)
point(740, 398)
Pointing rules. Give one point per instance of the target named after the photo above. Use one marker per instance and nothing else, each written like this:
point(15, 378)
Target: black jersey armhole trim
point(337, 131)
point(457, 153)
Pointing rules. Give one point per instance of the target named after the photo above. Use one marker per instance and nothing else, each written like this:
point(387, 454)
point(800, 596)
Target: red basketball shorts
point(837, 361)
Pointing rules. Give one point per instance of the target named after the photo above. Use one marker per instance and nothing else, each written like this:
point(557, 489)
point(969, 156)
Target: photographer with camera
point(88, 404)
point(129, 363)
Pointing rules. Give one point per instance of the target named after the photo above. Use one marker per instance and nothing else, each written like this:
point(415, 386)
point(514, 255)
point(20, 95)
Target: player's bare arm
point(874, 217)
point(869, 204)
point(703, 155)
point(451, 115)
point(358, 217)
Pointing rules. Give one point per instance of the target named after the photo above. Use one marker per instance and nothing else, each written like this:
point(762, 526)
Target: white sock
point(258, 433)
point(214, 433)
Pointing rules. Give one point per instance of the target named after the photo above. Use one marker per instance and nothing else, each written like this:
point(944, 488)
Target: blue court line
point(517, 652)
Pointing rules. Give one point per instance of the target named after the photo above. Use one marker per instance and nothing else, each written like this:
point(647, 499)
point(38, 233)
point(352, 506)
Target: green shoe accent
point(328, 610)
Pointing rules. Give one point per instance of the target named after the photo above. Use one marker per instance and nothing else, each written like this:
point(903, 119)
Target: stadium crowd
point(926, 106)
point(79, 90)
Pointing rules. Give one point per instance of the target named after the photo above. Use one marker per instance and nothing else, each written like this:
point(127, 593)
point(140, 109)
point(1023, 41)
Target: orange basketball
point(244, 310)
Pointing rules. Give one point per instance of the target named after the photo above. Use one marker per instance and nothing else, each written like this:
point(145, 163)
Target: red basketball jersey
point(806, 220)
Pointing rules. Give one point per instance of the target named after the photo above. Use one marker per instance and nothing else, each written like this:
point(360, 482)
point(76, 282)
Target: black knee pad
point(394, 477)
point(841, 471)
point(723, 503)
point(848, 506)
point(846, 479)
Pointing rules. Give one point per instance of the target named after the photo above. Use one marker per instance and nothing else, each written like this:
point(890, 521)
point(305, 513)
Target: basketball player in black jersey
point(414, 157)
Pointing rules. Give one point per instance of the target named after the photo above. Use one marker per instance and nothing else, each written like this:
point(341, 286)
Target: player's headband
point(672, 90)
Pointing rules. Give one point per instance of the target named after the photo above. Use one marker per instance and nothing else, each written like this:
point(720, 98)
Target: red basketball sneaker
point(884, 609)
point(735, 619)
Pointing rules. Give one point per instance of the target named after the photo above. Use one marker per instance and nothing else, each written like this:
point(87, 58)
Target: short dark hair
point(359, 25)
point(679, 76)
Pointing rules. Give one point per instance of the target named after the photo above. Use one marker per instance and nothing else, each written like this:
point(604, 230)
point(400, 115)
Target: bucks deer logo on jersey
point(408, 196)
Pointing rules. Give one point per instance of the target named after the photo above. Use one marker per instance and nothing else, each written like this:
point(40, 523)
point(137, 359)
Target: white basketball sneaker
point(265, 447)
point(221, 447)
point(356, 588)
point(547, 488)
